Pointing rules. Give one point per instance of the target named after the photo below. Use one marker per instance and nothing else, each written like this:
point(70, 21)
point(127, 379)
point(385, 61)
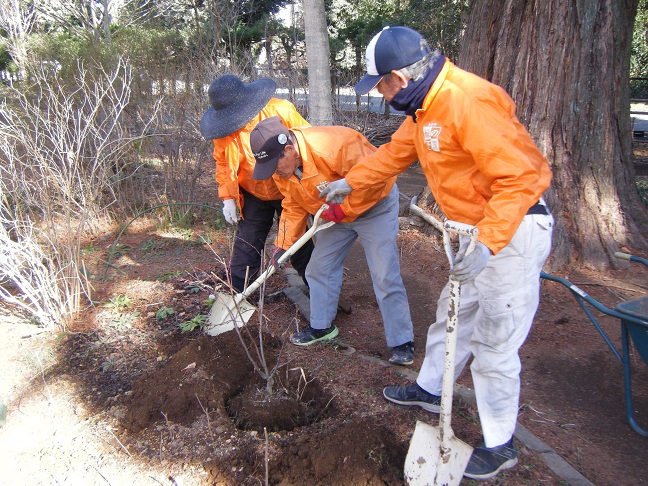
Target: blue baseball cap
point(391, 49)
point(267, 142)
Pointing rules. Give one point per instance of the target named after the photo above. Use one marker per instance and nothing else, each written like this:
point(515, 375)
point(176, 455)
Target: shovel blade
point(228, 311)
point(428, 463)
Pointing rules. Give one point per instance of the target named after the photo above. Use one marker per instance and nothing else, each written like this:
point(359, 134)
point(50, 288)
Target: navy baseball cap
point(391, 49)
point(267, 141)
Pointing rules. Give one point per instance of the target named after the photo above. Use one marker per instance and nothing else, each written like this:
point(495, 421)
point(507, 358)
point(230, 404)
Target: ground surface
point(125, 398)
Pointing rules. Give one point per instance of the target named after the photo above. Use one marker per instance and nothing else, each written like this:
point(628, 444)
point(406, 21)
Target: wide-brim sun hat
point(389, 50)
point(234, 104)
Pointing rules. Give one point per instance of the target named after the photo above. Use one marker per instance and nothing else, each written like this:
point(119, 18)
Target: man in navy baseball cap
point(485, 170)
point(391, 49)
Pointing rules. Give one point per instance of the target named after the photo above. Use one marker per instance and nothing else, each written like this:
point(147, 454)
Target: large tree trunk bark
point(566, 65)
point(320, 105)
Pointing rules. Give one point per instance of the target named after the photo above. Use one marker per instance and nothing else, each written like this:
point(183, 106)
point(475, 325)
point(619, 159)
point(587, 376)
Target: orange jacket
point(327, 154)
point(480, 162)
point(234, 159)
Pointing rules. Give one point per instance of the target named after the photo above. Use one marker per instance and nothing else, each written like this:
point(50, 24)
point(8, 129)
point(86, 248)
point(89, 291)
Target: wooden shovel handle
point(315, 227)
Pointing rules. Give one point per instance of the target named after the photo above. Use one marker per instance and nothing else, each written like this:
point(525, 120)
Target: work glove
point(336, 191)
point(276, 255)
point(334, 213)
point(229, 211)
point(467, 267)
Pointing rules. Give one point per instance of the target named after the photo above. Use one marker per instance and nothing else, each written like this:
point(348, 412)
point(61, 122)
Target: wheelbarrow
point(633, 315)
point(231, 310)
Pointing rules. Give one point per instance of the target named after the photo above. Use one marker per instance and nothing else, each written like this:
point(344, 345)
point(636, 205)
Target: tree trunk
point(566, 65)
point(320, 106)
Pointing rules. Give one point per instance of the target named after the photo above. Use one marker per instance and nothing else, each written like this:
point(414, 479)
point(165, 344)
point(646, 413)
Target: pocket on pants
point(498, 323)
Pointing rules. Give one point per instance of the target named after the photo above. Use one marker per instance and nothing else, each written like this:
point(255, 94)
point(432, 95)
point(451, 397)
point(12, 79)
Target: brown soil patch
point(123, 400)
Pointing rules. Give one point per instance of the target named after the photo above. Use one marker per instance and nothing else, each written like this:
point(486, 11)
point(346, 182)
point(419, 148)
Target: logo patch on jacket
point(322, 185)
point(431, 133)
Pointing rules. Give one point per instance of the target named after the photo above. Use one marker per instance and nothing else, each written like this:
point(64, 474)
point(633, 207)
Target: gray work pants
point(377, 229)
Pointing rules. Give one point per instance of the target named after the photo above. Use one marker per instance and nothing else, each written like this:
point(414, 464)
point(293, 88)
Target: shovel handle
point(315, 227)
point(462, 229)
point(445, 228)
point(447, 384)
point(438, 225)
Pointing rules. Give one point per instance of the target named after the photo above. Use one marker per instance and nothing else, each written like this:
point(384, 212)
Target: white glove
point(336, 191)
point(467, 267)
point(229, 211)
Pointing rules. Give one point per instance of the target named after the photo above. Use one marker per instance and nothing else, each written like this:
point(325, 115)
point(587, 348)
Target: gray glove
point(467, 267)
point(336, 191)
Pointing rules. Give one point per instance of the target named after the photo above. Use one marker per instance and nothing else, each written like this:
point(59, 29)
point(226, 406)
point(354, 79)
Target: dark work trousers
point(250, 239)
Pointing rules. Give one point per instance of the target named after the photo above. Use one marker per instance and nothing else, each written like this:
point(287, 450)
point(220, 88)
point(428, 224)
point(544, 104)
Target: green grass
point(120, 303)
point(164, 312)
point(124, 321)
point(170, 275)
point(197, 322)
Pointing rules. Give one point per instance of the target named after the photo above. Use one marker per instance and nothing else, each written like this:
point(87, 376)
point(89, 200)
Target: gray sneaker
point(488, 462)
point(403, 355)
point(413, 395)
point(309, 335)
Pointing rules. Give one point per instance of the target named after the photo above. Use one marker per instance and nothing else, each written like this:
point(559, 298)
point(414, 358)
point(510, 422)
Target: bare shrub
point(63, 157)
point(34, 276)
point(178, 151)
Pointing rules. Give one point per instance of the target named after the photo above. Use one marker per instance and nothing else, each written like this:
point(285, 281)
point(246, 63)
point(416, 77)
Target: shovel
point(435, 456)
point(234, 310)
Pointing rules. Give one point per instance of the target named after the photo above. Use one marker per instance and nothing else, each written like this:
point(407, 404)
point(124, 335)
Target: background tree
point(357, 26)
point(353, 24)
point(639, 58)
point(292, 40)
point(442, 24)
point(320, 106)
point(567, 67)
point(16, 22)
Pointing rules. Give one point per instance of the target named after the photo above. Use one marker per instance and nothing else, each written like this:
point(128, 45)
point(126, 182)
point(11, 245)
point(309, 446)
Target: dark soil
point(193, 406)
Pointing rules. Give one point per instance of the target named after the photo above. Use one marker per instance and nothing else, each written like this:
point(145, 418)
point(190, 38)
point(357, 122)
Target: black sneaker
point(403, 354)
point(487, 462)
point(413, 395)
point(310, 335)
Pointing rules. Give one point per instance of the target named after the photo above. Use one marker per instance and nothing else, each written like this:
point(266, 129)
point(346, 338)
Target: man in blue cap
point(483, 169)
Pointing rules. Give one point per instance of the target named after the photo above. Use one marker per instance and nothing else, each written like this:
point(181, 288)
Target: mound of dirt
point(357, 453)
point(214, 375)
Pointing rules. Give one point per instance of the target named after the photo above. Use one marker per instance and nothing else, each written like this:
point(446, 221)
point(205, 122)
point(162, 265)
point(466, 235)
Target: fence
point(638, 89)
point(9, 78)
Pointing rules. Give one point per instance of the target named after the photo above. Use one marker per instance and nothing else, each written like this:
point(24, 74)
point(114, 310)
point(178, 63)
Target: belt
point(538, 208)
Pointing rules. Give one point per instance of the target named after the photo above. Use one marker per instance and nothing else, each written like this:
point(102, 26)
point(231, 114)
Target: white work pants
point(495, 316)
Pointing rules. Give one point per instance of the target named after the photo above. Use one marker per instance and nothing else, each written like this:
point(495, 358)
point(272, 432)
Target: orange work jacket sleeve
point(235, 161)
point(481, 164)
point(327, 154)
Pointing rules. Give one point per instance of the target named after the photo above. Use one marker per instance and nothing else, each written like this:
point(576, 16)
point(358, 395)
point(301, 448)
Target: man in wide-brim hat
point(235, 110)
